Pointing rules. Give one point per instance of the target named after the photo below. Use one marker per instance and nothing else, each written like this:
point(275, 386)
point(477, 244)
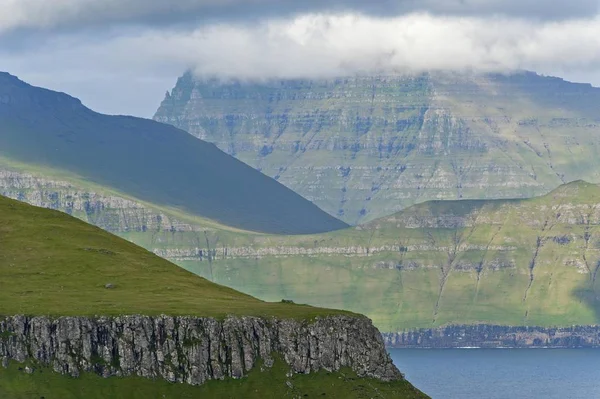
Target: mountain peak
point(368, 146)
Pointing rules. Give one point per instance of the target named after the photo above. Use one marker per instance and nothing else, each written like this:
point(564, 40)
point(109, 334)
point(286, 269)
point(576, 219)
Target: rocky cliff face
point(109, 212)
point(194, 350)
point(489, 336)
point(366, 147)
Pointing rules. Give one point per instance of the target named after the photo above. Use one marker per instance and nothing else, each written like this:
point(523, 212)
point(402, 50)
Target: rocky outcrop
point(194, 350)
point(223, 253)
point(110, 212)
point(489, 336)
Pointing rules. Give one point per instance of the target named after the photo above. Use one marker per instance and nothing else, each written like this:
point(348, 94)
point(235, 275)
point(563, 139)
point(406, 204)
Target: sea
point(502, 373)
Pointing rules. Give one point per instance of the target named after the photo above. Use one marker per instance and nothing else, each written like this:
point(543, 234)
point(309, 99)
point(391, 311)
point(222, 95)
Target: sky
point(121, 56)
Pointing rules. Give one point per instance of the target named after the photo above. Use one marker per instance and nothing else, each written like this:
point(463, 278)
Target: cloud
point(128, 70)
point(319, 45)
point(77, 14)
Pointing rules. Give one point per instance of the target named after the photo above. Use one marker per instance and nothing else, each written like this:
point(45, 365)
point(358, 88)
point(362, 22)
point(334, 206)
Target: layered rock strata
point(194, 350)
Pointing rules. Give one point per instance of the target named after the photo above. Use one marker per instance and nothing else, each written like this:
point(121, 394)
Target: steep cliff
point(366, 147)
point(515, 262)
point(194, 350)
point(95, 205)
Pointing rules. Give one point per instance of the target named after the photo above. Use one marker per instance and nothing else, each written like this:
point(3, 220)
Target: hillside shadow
point(586, 294)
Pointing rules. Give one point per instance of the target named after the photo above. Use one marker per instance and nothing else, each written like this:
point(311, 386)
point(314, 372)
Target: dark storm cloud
point(120, 56)
point(69, 14)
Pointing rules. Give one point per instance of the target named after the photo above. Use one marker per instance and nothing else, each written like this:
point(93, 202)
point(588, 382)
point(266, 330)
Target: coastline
point(495, 336)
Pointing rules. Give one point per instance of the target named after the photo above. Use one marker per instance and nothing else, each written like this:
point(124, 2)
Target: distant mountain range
point(365, 147)
point(146, 161)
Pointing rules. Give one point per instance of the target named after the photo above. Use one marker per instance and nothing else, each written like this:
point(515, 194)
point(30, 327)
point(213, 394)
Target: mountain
point(151, 162)
point(368, 146)
point(433, 264)
point(81, 302)
point(520, 262)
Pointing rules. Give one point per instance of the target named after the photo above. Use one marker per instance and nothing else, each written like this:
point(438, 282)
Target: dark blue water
point(502, 373)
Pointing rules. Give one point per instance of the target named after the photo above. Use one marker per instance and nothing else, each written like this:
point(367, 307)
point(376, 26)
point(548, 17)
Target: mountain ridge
point(147, 160)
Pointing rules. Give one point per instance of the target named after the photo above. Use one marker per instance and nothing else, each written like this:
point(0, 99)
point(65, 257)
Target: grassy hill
point(365, 147)
point(149, 161)
point(54, 264)
point(508, 262)
point(272, 383)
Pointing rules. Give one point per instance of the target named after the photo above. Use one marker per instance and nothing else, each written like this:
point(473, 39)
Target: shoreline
point(483, 336)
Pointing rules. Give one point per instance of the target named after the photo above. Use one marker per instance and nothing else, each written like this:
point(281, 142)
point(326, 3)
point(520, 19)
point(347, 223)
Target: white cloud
point(320, 45)
point(306, 46)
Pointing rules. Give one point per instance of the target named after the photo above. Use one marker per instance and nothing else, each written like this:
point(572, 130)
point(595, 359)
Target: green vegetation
point(43, 383)
point(506, 262)
point(393, 269)
point(150, 161)
point(54, 264)
point(511, 262)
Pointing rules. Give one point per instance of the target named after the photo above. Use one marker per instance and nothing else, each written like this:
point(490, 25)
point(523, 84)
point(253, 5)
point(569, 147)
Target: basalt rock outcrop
point(108, 211)
point(194, 350)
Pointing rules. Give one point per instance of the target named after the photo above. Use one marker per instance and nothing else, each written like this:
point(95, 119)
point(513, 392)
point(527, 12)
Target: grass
point(54, 264)
point(562, 293)
point(261, 383)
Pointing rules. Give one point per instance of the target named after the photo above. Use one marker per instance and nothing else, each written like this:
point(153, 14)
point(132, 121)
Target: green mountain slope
point(275, 383)
point(150, 161)
point(54, 265)
point(365, 147)
point(505, 262)
point(392, 269)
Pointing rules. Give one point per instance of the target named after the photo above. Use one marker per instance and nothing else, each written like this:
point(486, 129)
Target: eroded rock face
point(194, 350)
point(109, 212)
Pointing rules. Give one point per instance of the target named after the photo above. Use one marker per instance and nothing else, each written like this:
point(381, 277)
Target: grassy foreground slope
point(54, 264)
point(149, 161)
point(507, 262)
point(273, 383)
